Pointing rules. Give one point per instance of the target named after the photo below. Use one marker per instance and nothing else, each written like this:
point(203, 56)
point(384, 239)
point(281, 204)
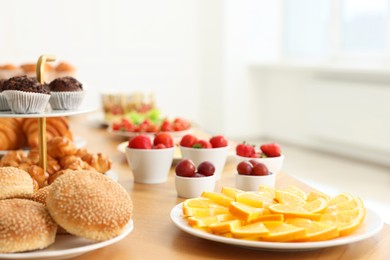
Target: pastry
point(89, 205)
point(11, 134)
point(25, 225)
point(26, 95)
point(66, 93)
point(99, 161)
point(59, 147)
point(15, 183)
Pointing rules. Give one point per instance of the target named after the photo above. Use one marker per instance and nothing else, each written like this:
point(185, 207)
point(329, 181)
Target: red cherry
point(140, 142)
point(244, 168)
point(206, 168)
point(185, 168)
point(253, 162)
point(260, 169)
point(188, 140)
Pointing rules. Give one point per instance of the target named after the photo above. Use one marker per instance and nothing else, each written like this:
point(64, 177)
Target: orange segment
point(253, 199)
point(315, 231)
point(346, 221)
point(292, 211)
point(267, 191)
point(284, 197)
point(297, 191)
point(251, 231)
point(316, 194)
point(230, 192)
point(216, 197)
point(245, 212)
point(341, 198)
point(347, 205)
point(283, 232)
point(318, 205)
point(202, 207)
point(224, 227)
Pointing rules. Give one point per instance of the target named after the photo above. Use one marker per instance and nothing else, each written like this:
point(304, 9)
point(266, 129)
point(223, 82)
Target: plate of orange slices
point(277, 220)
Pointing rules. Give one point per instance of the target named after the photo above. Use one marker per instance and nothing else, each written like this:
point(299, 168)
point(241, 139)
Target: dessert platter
point(36, 198)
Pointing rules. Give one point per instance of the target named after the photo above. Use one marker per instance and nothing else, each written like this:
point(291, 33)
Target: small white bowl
point(217, 156)
point(192, 187)
point(252, 182)
point(274, 164)
point(150, 166)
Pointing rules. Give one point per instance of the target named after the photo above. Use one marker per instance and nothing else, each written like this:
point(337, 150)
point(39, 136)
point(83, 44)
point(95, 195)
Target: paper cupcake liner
point(3, 103)
point(22, 102)
point(66, 100)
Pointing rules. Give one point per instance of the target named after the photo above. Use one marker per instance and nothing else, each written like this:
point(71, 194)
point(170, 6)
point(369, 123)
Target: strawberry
point(116, 127)
point(159, 146)
point(180, 124)
point(202, 144)
point(188, 140)
point(245, 150)
point(140, 142)
point(166, 126)
point(163, 138)
point(218, 141)
point(271, 150)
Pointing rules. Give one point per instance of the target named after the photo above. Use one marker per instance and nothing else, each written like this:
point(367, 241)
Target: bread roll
point(15, 183)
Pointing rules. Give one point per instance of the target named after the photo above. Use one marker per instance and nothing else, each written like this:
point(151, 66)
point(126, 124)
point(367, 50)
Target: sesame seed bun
point(89, 204)
point(41, 195)
point(15, 183)
point(25, 225)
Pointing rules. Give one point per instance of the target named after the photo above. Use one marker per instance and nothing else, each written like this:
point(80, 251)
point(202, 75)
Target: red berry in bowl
point(271, 150)
point(260, 170)
point(188, 140)
point(163, 138)
point(206, 168)
point(185, 168)
point(159, 146)
point(202, 144)
point(218, 141)
point(140, 142)
point(245, 150)
point(244, 168)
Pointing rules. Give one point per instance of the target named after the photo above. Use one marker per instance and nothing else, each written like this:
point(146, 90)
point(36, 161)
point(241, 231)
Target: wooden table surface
point(156, 237)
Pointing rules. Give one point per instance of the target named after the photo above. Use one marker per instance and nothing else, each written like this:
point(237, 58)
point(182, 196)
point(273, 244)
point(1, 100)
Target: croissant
point(13, 158)
point(99, 161)
point(55, 126)
point(36, 172)
point(74, 163)
point(12, 136)
point(59, 147)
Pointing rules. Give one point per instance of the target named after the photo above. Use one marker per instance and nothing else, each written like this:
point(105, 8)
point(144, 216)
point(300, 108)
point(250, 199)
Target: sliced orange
point(318, 205)
point(224, 227)
point(292, 211)
point(283, 232)
point(245, 212)
point(315, 231)
point(317, 194)
point(230, 192)
point(347, 205)
point(253, 199)
point(341, 198)
point(347, 221)
point(267, 191)
point(269, 218)
point(219, 198)
point(284, 197)
point(297, 191)
point(202, 207)
point(251, 231)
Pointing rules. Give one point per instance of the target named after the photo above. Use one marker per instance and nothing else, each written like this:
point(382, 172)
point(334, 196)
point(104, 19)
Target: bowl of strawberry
point(251, 174)
point(150, 160)
point(214, 150)
point(192, 180)
point(268, 154)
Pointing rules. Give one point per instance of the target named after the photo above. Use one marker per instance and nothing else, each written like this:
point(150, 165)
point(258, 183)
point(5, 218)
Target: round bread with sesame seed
point(15, 183)
point(25, 225)
point(89, 204)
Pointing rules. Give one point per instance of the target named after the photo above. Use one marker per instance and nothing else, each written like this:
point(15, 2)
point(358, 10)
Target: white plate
point(68, 246)
point(78, 141)
point(54, 113)
point(177, 135)
point(372, 224)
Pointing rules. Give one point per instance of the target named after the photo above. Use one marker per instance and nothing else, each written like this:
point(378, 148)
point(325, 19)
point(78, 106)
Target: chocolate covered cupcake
point(3, 101)
point(66, 93)
point(26, 95)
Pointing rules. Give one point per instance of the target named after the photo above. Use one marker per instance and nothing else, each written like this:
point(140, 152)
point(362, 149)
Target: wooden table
point(156, 237)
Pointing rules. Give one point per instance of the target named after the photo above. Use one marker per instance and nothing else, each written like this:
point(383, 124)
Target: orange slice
point(347, 205)
point(253, 199)
point(292, 211)
point(284, 197)
point(297, 191)
point(341, 198)
point(251, 231)
point(315, 231)
point(245, 212)
point(347, 221)
point(267, 191)
point(283, 232)
point(216, 197)
point(230, 192)
point(318, 205)
point(202, 207)
point(316, 194)
point(224, 227)
point(208, 220)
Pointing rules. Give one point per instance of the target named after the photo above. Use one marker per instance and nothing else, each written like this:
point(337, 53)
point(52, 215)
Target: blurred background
point(313, 74)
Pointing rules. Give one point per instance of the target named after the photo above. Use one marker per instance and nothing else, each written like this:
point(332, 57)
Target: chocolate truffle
point(65, 84)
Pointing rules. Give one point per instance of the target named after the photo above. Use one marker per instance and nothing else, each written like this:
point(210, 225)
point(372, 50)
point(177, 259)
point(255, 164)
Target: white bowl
point(252, 182)
point(217, 156)
point(150, 166)
point(274, 164)
point(192, 187)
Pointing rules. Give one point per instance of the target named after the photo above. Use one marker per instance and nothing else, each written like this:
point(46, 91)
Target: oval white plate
point(67, 246)
point(53, 113)
point(371, 225)
point(177, 135)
